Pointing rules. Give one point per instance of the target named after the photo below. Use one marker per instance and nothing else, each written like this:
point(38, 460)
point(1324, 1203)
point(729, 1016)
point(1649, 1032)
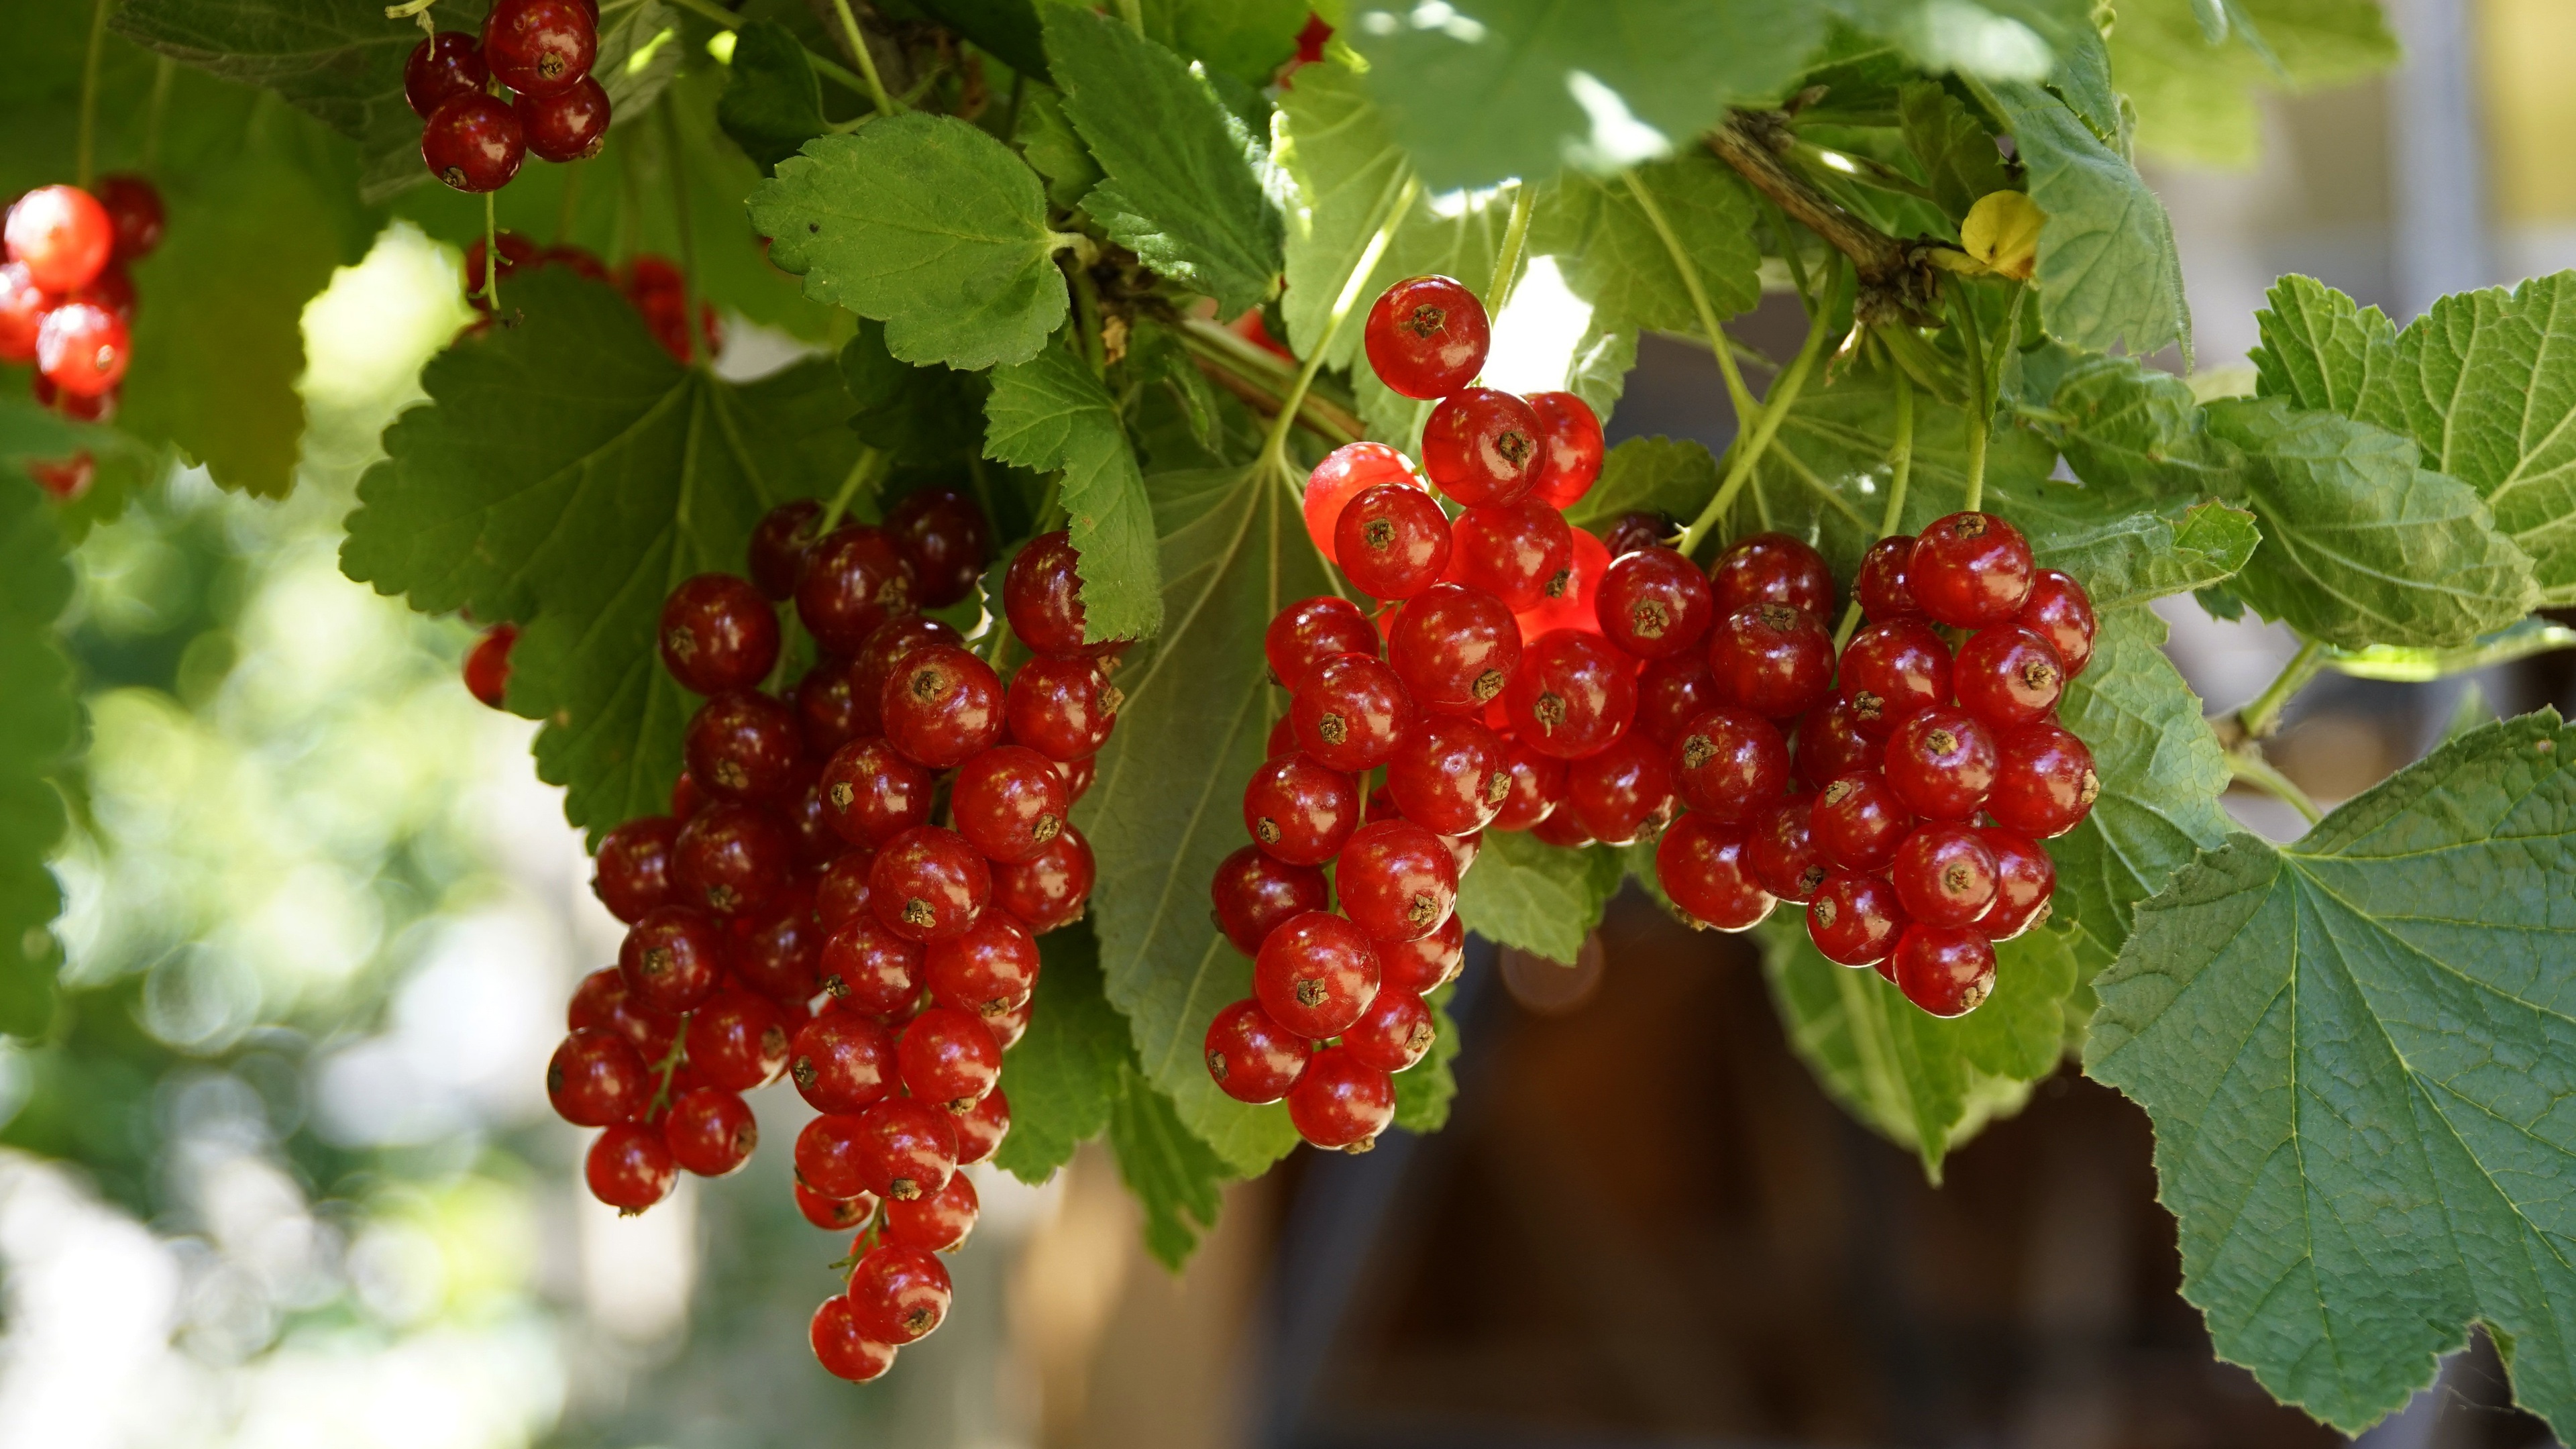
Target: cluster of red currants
point(66, 302)
point(542, 50)
point(653, 287)
point(1872, 821)
point(1438, 691)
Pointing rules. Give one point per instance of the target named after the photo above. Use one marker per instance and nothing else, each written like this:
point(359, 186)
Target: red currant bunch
point(67, 302)
point(524, 84)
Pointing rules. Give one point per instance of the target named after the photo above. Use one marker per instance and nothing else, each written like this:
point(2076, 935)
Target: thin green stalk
point(1508, 261)
point(1901, 469)
point(84, 170)
point(862, 469)
point(1981, 402)
point(491, 258)
point(688, 239)
point(1274, 448)
point(1133, 12)
point(2263, 716)
point(1261, 372)
point(886, 104)
point(1748, 450)
point(2249, 766)
point(823, 66)
point(1011, 112)
point(667, 1068)
point(163, 69)
point(1746, 409)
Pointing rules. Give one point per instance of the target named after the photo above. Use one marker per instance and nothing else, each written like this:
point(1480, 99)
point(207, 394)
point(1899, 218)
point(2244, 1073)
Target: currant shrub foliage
point(1014, 278)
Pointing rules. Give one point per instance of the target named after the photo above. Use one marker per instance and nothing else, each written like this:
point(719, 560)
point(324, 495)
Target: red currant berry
point(872, 794)
point(887, 646)
point(1830, 745)
point(907, 1148)
point(1426, 337)
point(1771, 568)
point(1704, 865)
point(981, 1129)
point(1397, 880)
point(1455, 648)
point(1944, 875)
point(1394, 1033)
point(487, 667)
point(779, 544)
point(2024, 879)
point(1859, 821)
point(1572, 695)
point(1351, 713)
point(1515, 552)
point(1253, 892)
point(828, 707)
point(1772, 659)
point(596, 1078)
point(1855, 919)
point(1783, 850)
point(1731, 764)
point(61, 235)
point(835, 1214)
point(988, 971)
point(1881, 586)
point(1448, 775)
point(23, 306)
point(1393, 541)
point(947, 1056)
point(710, 1132)
point(2059, 611)
point(1463, 850)
point(1345, 473)
point(1341, 1101)
point(629, 1168)
point(1050, 888)
point(1252, 1058)
point(1562, 829)
point(672, 958)
point(1310, 631)
point(1941, 763)
point(539, 47)
point(1300, 811)
point(854, 579)
point(474, 143)
point(602, 1002)
point(840, 1347)
point(2043, 781)
point(1622, 792)
point(1892, 671)
point(1425, 964)
point(64, 480)
point(898, 1294)
point(737, 1041)
point(944, 536)
point(1671, 692)
point(634, 867)
point(446, 65)
point(1481, 447)
point(1572, 599)
point(1078, 774)
point(777, 949)
point(842, 1062)
point(841, 891)
point(2008, 676)
point(928, 884)
point(744, 746)
point(939, 1223)
point(1970, 570)
point(570, 125)
point(1042, 595)
point(1008, 801)
point(1630, 532)
point(730, 859)
point(941, 706)
point(1655, 603)
point(1537, 787)
point(1570, 448)
point(1316, 973)
point(1946, 970)
point(827, 1157)
point(82, 348)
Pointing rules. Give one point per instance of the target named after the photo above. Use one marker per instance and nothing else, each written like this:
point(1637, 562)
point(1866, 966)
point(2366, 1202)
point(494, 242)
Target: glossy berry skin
point(82, 348)
point(828, 707)
point(898, 1294)
point(2059, 611)
point(473, 143)
point(854, 579)
point(570, 125)
point(738, 1042)
point(1393, 541)
point(1062, 708)
point(942, 706)
point(1941, 763)
point(777, 948)
point(596, 1078)
point(827, 1156)
point(1830, 745)
point(1008, 801)
point(2024, 879)
point(487, 667)
point(1704, 865)
point(945, 538)
point(871, 969)
point(1299, 810)
point(1622, 792)
point(1655, 603)
point(1481, 447)
point(907, 1148)
point(839, 1346)
point(1570, 448)
point(1316, 973)
point(842, 1062)
point(1969, 570)
point(1731, 764)
point(1881, 585)
point(1772, 659)
point(928, 884)
point(730, 859)
point(23, 306)
point(1630, 532)
point(1944, 874)
point(1426, 337)
point(1351, 712)
point(946, 1056)
point(841, 890)
point(1563, 830)
point(441, 68)
point(835, 1214)
point(871, 794)
point(779, 544)
point(672, 958)
point(1537, 787)
point(1448, 775)
point(1572, 695)
point(1855, 919)
point(1782, 850)
point(603, 1002)
point(887, 646)
point(1341, 1101)
point(710, 1132)
point(981, 1129)
point(1397, 880)
point(1858, 822)
point(940, 1223)
point(2007, 677)
point(1946, 970)
point(1424, 965)
point(634, 867)
point(1310, 631)
point(629, 1168)
point(1455, 648)
point(1515, 552)
point(988, 971)
point(1042, 595)
point(1394, 1033)
point(744, 746)
point(1050, 888)
point(61, 235)
point(1252, 1058)
point(1771, 568)
point(1572, 599)
point(539, 47)
point(1253, 892)
point(2044, 782)
point(1892, 671)
point(1346, 473)
point(1673, 691)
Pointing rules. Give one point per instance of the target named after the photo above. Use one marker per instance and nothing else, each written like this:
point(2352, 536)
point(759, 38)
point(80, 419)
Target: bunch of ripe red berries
point(799, 911)
point(1473, 726)
point(542, 50)
point(653, 287)
point(66, 302)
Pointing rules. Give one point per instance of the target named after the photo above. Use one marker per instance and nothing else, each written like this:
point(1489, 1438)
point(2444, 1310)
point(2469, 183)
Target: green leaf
point(1063, 1077)
point(2354, 1050)
point(927, 225)
point(2108, 273)
point(2129, 558)
point(772, 103)
point(2003, 40)
point(2360, 545)
point(1165, 808)
point(1423, 1094)
point(40, 721)
point(1006, 28)
point(916, 415)
point(1538, 897)
point(1183, 187)
point(567, 475)
point(2136, 430)
point(340, 63)
point(1243, 40)
point(1613, 257)
point(1490, 89)
point(1672, 476)
point(1049, 142)
point(1960, 159)
point(1176, 1179)
point(2199, 100)
point(1048, 413)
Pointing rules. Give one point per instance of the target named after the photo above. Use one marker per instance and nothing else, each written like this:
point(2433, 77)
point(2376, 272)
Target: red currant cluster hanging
point(542, 50)
point(653, 287)
point(1471, 726)
point(66, 302)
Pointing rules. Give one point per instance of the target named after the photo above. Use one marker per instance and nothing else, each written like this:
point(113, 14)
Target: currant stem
point(862, 470)
point(2258, 719)
point(1901, 468)
point(669, 1067)
point(688, 240)
point(886, 104)
point(2249, 766)
point(1746, 409)
point(83, 169)
point(1274, 449)
point(1260, 378)
point(163, 69)
point(1749, 450)
point(1508, 260)
point(491, 258)
point(1981, 403)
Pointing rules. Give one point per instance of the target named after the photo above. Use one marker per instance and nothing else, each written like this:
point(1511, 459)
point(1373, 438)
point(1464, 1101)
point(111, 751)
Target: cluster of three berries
point(541, 50)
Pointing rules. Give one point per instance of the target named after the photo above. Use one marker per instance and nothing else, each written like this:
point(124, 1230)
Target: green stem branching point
point(1274, 448)
point(2248, 765)
point(2261, 717)
point(1748, 450)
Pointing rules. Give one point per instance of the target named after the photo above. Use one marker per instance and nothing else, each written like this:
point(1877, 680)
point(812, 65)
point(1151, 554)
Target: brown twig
point(1896, 280)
